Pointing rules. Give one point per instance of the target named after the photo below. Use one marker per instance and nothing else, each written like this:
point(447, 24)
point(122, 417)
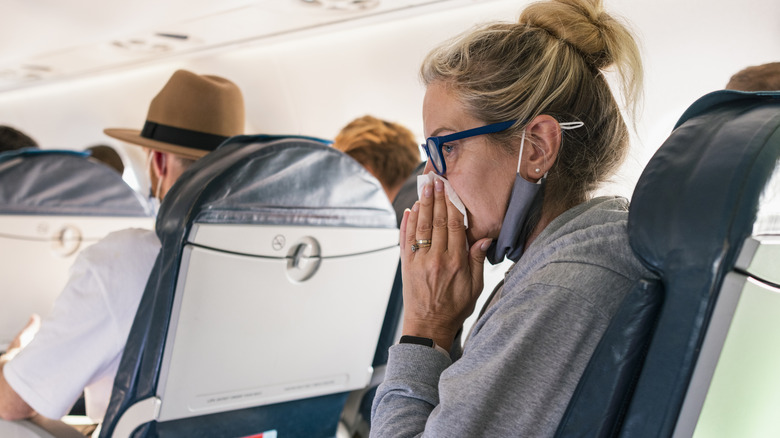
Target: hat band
point(182, 137)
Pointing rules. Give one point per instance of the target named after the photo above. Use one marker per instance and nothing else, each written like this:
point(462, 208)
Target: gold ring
point(422, 243)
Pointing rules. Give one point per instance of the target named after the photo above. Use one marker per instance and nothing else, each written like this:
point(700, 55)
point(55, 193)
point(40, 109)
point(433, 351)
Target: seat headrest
point(55, 182)
point(699, 194)
point(723, 97)
point(276, 181)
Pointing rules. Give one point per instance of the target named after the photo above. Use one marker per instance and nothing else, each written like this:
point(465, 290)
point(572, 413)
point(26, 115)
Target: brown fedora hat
point(190, 116)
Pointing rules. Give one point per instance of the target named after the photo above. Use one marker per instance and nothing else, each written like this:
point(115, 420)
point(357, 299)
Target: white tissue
point(428, 178)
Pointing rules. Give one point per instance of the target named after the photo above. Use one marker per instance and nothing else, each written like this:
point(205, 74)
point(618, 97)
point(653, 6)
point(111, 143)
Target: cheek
point(483, 181)
point(484, 211)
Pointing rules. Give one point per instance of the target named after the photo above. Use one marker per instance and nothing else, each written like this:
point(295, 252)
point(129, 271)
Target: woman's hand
point(442, 281)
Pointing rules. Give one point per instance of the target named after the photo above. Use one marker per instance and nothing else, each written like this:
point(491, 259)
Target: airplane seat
point(52, 205)
point(266, 301)
point(694, 353)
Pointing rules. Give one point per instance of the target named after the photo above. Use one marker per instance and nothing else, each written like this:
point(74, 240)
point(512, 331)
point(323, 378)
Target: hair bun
point(583, 24)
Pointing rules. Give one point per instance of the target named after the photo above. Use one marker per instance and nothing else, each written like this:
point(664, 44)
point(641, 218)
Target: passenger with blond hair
point(386, 149)
point(522, 127)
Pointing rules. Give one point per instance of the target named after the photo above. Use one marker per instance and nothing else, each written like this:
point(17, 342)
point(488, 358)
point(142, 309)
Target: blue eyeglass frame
point(436, 143)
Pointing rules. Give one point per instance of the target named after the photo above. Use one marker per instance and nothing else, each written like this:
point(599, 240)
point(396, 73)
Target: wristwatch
point(428, 342)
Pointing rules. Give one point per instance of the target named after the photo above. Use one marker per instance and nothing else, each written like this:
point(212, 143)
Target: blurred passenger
point(80, 345)
point(523, 126)
point(407, 193)
point(764, 77)
point(106, 155)
point(12, 139)
point(388, 150)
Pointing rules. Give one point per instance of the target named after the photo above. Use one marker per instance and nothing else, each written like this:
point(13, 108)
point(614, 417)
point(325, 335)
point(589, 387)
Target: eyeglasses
point(433, 145)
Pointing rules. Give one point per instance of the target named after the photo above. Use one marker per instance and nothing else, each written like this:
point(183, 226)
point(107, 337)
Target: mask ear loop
point(571, 125)
point(564, 126)
point(520, 159)
point(149, 171)
point(159, 189)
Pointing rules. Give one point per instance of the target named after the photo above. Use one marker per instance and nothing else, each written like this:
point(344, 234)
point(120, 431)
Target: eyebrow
point(436, 132)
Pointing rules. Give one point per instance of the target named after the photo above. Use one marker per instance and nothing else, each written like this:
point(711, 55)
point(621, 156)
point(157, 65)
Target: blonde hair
point(388, 149)
point(550, 62)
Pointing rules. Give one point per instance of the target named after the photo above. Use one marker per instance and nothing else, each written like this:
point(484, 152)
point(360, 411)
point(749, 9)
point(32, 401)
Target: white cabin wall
point(690, 48)
point(72, 114)
point(316, 85)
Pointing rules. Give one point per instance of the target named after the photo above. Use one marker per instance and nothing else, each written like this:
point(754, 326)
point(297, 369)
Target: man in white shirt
point(79, 346)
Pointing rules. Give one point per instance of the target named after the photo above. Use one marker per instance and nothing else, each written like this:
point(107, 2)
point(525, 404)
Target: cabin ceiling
point(47, 40)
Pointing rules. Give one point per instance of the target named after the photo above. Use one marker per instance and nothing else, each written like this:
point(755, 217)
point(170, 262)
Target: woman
point(522, 124)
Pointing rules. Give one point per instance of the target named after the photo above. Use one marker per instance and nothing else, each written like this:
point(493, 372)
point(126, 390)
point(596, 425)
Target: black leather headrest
point(693, 207)
point(698, 195)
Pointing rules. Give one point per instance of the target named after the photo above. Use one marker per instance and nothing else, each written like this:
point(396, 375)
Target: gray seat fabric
point(54, 182)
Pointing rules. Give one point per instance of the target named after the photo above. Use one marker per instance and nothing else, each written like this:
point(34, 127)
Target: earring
point(538, 170)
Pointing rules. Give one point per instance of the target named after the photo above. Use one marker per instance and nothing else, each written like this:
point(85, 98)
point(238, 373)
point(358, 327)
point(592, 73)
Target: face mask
point(511, 239)
point(453, 197)
point(154, 198)
point(525, 194)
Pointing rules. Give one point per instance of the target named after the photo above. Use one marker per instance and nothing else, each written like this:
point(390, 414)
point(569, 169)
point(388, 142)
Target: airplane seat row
point(694, 354)
point(264, 307)
point(53, 204)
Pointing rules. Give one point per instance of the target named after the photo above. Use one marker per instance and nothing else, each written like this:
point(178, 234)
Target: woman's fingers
point(456, 231)
point(409, 229)
point(402, 231)
point(438, 283)
point(439, 221)
point(423, 230)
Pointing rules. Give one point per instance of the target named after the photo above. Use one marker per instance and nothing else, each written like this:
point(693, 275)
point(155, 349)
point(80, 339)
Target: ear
point(542, 143)
point(159, 164)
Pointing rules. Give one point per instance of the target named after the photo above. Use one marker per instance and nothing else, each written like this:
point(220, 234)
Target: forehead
point(442, 111)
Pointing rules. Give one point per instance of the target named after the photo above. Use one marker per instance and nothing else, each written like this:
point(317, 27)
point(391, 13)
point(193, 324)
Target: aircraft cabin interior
point(276, 286)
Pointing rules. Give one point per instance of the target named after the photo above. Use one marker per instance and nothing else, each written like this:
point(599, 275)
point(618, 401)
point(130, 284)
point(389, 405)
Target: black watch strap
point(406, 339)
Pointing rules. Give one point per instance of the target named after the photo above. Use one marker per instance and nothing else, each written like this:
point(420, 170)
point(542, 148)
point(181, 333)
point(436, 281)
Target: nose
point(428, 167)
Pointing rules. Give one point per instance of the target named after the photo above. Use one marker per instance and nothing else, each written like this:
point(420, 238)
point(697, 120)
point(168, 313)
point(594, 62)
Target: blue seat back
point(249, 180)
point(692, 209)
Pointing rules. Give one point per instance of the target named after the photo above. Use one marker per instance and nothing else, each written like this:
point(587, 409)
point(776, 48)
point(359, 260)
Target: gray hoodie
point(525, 355)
